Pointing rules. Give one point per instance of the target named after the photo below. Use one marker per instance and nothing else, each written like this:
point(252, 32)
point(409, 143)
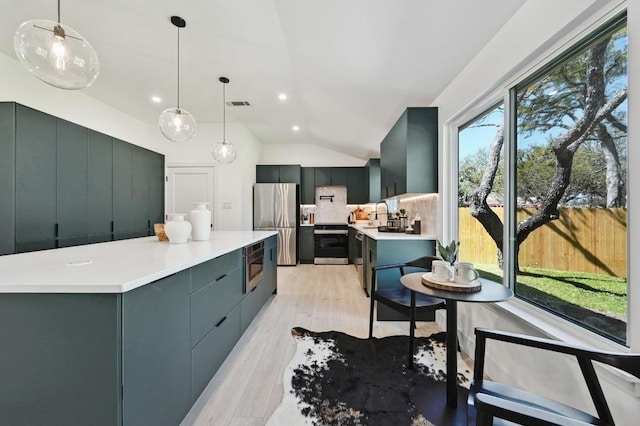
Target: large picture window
point(569, 186)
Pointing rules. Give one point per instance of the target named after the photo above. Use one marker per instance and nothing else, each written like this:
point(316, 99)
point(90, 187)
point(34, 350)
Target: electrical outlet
point(226, 205)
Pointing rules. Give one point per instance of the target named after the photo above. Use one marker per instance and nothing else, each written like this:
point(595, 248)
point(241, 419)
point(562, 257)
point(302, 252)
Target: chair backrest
point(629, 363)
point(424, 262)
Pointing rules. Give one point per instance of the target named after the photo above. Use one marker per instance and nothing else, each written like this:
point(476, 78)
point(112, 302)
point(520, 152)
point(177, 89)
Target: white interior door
point(187, 185)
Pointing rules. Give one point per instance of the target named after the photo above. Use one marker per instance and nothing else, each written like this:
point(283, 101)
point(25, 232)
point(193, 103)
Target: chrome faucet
point(386, 208)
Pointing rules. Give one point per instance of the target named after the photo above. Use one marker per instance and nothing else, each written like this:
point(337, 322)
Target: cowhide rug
point(337, 379)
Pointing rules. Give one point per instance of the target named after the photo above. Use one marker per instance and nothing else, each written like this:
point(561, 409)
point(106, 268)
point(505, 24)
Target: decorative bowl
point(158, 228)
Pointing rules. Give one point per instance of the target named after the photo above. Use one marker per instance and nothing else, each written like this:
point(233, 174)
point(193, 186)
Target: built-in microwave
point(254, 265)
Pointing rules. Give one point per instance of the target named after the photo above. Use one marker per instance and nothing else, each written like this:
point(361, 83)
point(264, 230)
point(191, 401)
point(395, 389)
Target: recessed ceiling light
point(295, 128)
point(282, 96)
point(156, 99)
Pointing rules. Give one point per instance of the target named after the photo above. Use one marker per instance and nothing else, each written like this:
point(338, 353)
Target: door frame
point(176, 165)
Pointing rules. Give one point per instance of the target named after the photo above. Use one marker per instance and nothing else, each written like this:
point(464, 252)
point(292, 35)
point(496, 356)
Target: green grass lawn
point(596, 301)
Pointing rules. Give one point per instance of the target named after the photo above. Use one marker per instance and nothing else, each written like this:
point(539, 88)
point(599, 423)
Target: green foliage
point(450, 252)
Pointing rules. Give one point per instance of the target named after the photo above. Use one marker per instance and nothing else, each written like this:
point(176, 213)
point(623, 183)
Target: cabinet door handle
point(254, 289)
point(395, 190)
point(221, 321)
point(221, 277)
point(56, 230)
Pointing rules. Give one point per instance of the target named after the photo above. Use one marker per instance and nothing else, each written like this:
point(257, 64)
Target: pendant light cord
point(224, 114)
point(58, 11)
point(178, 68)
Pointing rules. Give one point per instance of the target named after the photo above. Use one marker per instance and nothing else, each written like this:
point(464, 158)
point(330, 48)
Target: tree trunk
point(614, 168)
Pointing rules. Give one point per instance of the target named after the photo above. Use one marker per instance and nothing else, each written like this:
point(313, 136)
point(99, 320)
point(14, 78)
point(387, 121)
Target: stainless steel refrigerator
point(276, 208)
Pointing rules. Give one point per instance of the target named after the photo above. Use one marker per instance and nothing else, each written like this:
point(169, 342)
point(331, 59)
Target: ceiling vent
point(238, 103)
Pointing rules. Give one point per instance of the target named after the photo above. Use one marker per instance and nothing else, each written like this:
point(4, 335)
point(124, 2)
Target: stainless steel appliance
point(253, 256)
point(276, 208)
point(331, 244)
point(358, 260)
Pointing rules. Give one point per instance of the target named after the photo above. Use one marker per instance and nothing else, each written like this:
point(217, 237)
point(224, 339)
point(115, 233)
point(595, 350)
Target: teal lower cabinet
point(137, 358)
point(306, 244)
point(385, 252)
point(156, 352)
point(209, 354)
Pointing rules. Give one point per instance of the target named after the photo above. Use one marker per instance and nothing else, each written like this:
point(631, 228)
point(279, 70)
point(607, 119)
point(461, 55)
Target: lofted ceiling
point(348, 67)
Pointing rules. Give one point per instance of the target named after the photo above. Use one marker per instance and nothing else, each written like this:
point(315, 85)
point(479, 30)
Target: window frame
point(504, 91)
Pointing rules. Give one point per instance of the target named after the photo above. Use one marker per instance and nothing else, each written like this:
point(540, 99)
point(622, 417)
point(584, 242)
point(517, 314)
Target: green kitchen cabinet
point(373, 174)
point(357, 185)
point(156, 352)
point(322, 176)
point(99, 187)
point(271, 263)
point(306, 244)
point(352, 245)
point(122, 190)
point(72, 195)
point(156, 188)
point(7, 178)
point(339, 176)
point(289, 173)
point(35, 172)
point(409, 154)
point(308, 186)
point(140, 221)
point(67, 185)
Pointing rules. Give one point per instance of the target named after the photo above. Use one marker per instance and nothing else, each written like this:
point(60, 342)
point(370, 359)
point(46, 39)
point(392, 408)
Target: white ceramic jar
point(200, 218)
point(177, 229)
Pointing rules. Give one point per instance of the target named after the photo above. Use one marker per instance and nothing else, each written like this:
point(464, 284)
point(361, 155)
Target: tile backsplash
point(426, 207)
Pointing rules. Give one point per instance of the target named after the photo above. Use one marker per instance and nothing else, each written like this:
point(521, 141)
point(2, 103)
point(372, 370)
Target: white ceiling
point(349, 67)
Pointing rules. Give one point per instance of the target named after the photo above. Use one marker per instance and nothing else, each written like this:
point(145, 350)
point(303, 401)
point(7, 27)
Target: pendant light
point(177, 124)
point(56, 54)
point(224, 152)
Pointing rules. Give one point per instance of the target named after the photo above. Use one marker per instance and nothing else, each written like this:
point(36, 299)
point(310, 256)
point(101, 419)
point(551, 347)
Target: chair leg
point(371, 317)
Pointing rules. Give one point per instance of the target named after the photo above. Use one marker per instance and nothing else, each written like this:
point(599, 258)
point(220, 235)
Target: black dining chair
point(489, 400)
point(398, 297)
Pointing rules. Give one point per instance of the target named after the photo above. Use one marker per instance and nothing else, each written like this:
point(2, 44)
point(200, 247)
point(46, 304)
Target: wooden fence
point(585, 240)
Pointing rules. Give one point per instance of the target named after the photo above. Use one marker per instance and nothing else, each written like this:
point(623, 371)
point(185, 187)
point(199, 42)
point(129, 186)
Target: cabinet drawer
point(208, 272)
point(211, 303)
point(211, 352)
point(252, 303)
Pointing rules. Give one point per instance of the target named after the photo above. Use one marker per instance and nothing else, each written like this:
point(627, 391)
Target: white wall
point(233, 182)
point(535, 31)
point(307, 155)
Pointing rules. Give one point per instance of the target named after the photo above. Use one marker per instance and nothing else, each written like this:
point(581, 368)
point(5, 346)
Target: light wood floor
point(248, 386)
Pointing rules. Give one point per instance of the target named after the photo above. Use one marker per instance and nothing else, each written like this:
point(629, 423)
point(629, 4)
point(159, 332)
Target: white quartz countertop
point(372, 231)
point(113, 267)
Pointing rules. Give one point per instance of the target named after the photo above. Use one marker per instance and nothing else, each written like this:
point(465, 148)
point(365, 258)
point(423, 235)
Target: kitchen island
point(384, 248)
point(122, 333)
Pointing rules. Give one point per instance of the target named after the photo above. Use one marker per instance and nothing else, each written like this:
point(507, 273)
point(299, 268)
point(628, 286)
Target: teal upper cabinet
point(356, 179)
point(7, 178)
point(65, 185)
point(35, 163)
point(322, 176)
point(357, 185)
point(289, 173)
point(409, 154)
point(71, 183)
point(308, 187)
point(100, 187)
point(373, 173)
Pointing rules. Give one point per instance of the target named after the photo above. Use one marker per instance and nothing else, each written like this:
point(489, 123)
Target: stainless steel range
point(331, 244)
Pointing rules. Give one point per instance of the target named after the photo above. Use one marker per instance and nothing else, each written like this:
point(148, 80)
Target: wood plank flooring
point(248, 386)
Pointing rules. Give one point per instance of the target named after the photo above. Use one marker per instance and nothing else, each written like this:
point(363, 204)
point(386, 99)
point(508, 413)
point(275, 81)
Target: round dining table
point(489, 292)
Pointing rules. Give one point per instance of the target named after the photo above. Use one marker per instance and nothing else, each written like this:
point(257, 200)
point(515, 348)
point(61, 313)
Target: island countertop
point(113, 267)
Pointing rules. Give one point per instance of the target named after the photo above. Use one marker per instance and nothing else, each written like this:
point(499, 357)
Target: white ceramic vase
point(200, 218)
point(177, 229)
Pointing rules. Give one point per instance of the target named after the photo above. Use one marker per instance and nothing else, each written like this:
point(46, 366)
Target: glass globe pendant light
point(224, 152)
point(56, 54)
point(177, 124)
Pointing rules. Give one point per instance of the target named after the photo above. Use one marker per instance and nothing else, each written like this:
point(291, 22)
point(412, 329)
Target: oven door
point(331, 247)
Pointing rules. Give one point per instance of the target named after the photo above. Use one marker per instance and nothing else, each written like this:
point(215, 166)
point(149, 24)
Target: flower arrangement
point(449, 253)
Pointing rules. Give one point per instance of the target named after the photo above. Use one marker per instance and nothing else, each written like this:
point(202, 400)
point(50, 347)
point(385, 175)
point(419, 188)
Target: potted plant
point(305, 218)
point(449, 253)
